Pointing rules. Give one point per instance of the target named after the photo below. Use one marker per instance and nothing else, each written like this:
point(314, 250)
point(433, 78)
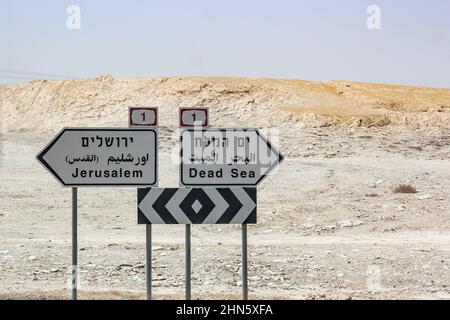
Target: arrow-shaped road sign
point(197, 206)
point(226, 157)
point(102, 157)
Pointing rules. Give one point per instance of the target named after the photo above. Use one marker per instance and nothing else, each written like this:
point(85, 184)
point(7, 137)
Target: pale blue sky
point(313, 40)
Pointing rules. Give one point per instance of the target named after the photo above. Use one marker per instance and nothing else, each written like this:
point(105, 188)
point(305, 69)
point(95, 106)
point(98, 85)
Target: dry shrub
point(372, 195)
point(405, 188)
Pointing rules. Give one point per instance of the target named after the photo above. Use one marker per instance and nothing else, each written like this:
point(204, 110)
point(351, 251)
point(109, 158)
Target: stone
point(349, 223)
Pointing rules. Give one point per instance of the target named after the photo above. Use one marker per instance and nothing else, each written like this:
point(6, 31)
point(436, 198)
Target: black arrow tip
point(40, 155)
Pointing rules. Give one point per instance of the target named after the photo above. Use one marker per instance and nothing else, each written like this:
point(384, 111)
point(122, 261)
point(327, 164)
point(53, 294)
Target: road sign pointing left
point(102, 157)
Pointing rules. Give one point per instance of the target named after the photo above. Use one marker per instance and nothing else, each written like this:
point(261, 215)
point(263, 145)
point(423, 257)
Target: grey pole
point(244, 263)
point(148, 239)
point(188, 262)
point(148, 243)
point(74, 244)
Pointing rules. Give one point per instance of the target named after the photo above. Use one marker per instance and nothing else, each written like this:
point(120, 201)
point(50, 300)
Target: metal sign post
point(188, 261)
point(244, 263)
point(74, 243)
point(191, 118)
point(148, 262)
point(145, 117)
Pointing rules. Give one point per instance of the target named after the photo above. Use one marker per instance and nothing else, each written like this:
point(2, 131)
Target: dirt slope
point(49, 105)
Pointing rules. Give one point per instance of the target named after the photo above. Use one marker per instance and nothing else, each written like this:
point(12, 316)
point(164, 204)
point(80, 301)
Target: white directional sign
point(196, 205)
point(102, 157)
point(226, 157)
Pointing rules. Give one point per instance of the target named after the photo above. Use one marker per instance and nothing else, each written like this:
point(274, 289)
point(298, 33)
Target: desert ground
point(330, 225)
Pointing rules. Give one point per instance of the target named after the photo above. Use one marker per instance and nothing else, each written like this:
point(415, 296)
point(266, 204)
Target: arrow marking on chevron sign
point(197, 205)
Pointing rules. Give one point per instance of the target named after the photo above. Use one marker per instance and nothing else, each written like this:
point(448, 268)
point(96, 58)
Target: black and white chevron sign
point(197, 206)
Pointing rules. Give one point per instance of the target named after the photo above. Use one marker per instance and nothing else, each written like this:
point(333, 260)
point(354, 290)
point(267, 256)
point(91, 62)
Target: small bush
point(405, 188)
point(372, 195)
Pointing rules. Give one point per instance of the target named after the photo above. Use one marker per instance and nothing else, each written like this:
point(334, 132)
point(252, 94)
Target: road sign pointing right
point(226, 157)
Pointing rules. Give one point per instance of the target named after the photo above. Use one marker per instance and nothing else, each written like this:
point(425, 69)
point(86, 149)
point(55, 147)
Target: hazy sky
point(314, 40)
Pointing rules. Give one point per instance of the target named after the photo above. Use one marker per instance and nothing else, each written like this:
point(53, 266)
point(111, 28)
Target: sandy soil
point(330, 226)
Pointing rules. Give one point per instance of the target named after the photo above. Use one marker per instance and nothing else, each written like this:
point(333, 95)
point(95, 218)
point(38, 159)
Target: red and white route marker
point(143, 116)
point(194, 117)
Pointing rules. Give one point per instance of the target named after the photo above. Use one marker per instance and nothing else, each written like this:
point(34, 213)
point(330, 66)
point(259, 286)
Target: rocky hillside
point(47, 106)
